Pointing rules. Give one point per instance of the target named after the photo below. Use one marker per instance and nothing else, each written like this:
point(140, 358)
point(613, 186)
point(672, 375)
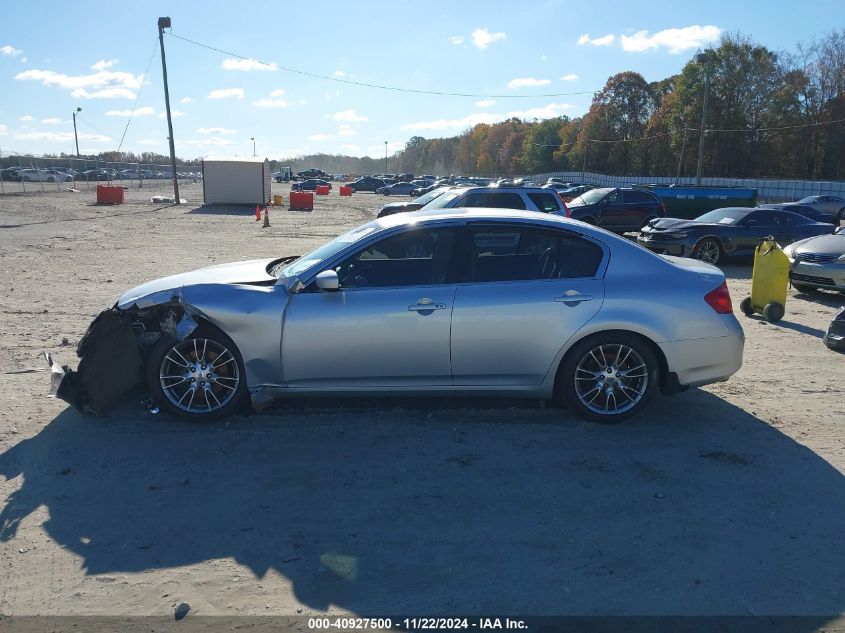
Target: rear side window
point(545, 202)
point(521, 254)
point(500, 200)
point(637, 197)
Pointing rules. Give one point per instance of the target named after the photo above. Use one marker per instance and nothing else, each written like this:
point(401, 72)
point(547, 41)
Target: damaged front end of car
point(112, 353)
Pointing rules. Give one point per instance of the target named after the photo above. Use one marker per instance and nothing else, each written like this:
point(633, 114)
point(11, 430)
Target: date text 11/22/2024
point(416, 624)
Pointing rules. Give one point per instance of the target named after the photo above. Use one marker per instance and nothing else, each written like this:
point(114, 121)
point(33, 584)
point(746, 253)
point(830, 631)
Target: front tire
point(199, 379)
point(607, 378)
point(708, 250)
point(747, 307)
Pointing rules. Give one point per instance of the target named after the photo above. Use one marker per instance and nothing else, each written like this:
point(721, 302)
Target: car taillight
point(720, 299)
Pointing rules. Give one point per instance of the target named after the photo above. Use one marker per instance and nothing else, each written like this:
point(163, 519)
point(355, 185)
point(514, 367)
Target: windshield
point(590, 197)
point(441, 202)
point(723, 216)
point(431, 195)
point(808, 199)
point(326, 251)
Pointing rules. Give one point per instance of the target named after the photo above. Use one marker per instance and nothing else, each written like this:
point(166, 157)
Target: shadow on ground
point(693, 507)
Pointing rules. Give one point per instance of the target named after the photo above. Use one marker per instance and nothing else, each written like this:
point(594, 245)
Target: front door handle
point(426, 305)
point(573, 297)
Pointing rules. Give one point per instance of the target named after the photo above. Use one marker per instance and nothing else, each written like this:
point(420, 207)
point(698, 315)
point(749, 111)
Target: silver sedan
point(460, 302)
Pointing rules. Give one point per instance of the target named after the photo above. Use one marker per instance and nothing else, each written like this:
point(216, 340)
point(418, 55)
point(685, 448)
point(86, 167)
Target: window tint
point(514, 254)
point(613, 198)
point(546, 202)
point(761, 218)
point(501, 200)
point(412, 258)
point(638, 197)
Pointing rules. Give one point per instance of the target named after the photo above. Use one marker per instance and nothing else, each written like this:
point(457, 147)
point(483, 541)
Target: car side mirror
point(327, 280)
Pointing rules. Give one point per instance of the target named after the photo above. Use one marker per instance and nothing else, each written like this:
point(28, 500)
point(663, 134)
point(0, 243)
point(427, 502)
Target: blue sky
point(94, 55)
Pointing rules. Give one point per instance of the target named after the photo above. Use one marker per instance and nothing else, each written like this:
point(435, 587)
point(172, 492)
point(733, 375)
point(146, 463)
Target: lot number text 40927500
point(416, 624)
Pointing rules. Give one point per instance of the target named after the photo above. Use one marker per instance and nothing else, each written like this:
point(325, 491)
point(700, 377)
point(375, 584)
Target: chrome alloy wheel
point(611, 379)
point(708, 252)
point(199, 375)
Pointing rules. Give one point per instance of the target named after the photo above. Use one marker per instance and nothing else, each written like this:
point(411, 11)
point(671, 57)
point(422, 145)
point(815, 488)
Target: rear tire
point(608, 377)
point(213, 361)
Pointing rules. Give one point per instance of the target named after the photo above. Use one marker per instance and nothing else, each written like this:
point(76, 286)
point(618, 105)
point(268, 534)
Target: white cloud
point(173, 113)
point(246, 65)
point(674, 40)
point(3, 130)
point(144, 111)
point(105, 84)
point(485, 103)
point(320, 137)
point(543, 57)
point(347, 115)
point(482, 38)
point(27, 117)
point(52, 121)
point(339, 73)
point(216, 130)
point(24, 60)
point(105, 93)
point(186, 100)
point(10, 51)
point(457, 39)
point(104, 63)
point(271, 103)
point(150, 141)
point(226, 93)
point(569, 77)
point(214, 140)
point(604, 40)
point(546, 112)
point(345, 130)
point(278, 92)
point(60, 137)
point(351, 148)
point(522, 82)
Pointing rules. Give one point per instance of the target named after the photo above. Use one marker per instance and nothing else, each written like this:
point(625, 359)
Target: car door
point(388, 323)
point(756, 226)
point(524, 291)
point(611, 211)
point(635, 209)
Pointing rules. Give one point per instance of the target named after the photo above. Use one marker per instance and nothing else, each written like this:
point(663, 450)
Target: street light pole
point(164, 23)
point(75, 137)
point(704, 59)
point(385, 157)
point(252, 138)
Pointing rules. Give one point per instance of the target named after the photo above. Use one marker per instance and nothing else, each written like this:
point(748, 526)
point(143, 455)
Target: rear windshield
point(590, 197)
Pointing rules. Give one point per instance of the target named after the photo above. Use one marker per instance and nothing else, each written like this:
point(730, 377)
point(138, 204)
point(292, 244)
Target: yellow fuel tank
point(769, 281)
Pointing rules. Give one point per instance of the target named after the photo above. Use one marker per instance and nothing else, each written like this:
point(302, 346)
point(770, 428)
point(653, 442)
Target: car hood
point(822, 245)
point(247, 272)
point(677, 224)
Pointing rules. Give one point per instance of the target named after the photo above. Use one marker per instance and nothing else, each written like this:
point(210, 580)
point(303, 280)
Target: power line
point(364, 84)
point(775, 129)
point(138, 96)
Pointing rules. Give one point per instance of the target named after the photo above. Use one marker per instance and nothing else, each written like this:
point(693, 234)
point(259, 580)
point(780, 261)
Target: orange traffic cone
point(257, 213)
point(266, 219)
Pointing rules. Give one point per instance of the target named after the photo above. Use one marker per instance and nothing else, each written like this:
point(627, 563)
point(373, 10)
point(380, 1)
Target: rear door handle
point(572, 299)
point(426, 305)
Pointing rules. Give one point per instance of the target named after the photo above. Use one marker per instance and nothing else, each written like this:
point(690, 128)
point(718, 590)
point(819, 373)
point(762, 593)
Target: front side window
point(419, 257)
point(517, 254)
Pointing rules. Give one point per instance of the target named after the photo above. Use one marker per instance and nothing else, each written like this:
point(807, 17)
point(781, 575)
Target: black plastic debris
point(834, 338)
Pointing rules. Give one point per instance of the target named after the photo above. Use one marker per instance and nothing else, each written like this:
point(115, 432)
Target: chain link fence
point(26, 173)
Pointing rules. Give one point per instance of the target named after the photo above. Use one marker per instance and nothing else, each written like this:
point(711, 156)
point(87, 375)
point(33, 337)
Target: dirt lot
point(723, 500)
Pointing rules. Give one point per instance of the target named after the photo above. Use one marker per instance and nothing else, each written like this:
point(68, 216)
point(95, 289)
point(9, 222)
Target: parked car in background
point(826, 204)
point(818, 262)
point(366, 183)
point(397, 189)
point(807, 211)
point(37, 175)
point(11, 174)
point(310, 184)
point(413, 205)
point(499, 302)
point(523, 198)
point(617, 209)
point(420, 191)
point(60, 175)
point(834, 338)
point(570, 194)
point(728, 231)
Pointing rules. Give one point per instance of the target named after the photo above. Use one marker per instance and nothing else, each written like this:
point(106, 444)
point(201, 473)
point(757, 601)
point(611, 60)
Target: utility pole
point(385, 157)
point(75, 137)
point(681, 157)
point(252, 138)
point(584, 162)
point(704, 59)
point(164, 23)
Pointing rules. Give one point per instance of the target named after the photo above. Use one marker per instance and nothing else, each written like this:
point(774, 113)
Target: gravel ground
point(722, 500)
